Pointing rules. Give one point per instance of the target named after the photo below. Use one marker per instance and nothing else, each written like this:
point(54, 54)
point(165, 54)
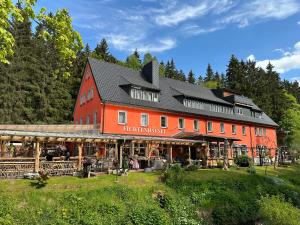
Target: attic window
point(144, 95)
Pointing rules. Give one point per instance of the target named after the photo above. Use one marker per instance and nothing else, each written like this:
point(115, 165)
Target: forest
point(42, 59)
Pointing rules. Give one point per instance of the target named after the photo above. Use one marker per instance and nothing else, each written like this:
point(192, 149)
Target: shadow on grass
point(37, 184)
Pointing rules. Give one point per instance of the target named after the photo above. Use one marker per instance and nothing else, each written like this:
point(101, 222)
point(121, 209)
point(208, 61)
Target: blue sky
point(193, 32)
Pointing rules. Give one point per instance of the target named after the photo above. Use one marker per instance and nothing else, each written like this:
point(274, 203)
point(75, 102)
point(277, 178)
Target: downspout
point(103, 111)
point(251, 146)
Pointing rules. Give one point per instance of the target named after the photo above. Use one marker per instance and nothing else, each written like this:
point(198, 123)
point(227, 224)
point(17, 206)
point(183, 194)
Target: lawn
point(209, 196)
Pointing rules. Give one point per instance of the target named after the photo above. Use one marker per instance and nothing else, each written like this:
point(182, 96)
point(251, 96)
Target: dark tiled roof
point(109, 77)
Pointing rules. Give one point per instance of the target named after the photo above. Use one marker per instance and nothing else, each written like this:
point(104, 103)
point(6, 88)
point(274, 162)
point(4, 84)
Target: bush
point(173, 176)
point(275, 211)
point(145, 215)
point(243, 161)
point(191, 168)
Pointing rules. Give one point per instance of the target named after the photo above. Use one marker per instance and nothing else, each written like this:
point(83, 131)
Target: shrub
point(243, 161)
point(275, 211)
point(145, 215)
point(191, 168)
point(173, 176)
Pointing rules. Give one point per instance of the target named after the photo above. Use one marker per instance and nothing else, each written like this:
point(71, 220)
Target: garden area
point(174, 196)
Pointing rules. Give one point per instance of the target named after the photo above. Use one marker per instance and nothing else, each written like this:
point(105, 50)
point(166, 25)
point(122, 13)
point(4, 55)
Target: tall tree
point(209, 76)
point(191, 77)
point(102, 52)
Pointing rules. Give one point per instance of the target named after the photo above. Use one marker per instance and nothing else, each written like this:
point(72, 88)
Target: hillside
point(196, 197)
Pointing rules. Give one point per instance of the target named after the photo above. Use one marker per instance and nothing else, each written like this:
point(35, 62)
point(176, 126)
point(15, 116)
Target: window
point(95, 119)
point(163, 122)
point(260, 131)
point(222, 128)
point(144, 95)
point(239, 111)
point(144, 119)
point(233, 128)
point(196, 125)
point(122, 117)
point(244, 130)
point(209, 126)
point(80, 121)
point(87, 119)
point(90, 94)
point(82, 99)
point(256, 131)
point(264, 132)
point(181, 123)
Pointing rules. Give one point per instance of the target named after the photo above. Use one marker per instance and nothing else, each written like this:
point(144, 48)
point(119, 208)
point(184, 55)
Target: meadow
point(176, 196)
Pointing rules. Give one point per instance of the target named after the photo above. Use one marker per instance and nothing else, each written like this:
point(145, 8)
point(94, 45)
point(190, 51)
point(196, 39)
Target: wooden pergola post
point(80, 148)
point(37, 157)
point(131, 153)
point(190, 162)
point(170, 153)
point(121, 157)
point(116, 151)
point(3, 148)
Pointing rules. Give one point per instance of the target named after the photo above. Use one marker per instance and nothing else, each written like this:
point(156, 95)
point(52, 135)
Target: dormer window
point(144, 95)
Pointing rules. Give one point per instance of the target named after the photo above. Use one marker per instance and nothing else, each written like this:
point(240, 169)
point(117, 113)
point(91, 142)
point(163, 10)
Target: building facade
point(122, 101)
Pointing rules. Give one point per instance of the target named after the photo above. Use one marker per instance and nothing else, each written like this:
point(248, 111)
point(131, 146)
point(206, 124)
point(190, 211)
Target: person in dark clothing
point(67, 156)
point(87, 163)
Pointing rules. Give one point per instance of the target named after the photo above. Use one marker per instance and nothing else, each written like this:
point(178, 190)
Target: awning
point(204, 137)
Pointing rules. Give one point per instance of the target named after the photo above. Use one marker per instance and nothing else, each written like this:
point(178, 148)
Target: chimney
point(151, 73)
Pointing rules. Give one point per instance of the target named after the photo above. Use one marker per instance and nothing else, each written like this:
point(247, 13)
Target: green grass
point(211, 196)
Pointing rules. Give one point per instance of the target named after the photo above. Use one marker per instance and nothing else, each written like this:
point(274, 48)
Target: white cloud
point(191, 30)
point(256, 10)
point(130, 43)
point(251, 58)
point(186, 12)
point(298, 22)
point(289, 60)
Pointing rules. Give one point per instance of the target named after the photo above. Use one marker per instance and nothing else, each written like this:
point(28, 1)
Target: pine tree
point(209, 74)
point(191, 77)
point(181, 75)
point(200, 80)
point(102, 52)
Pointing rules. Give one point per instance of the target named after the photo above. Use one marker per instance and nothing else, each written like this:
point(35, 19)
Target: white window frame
point(244, 130)
point(182, 123)
point(197, 122)
point(87, 121)
point(147, 123)
point(222, 131)
point(122, 111)
point(211, 130)
point(166, 119)
point(233, 131)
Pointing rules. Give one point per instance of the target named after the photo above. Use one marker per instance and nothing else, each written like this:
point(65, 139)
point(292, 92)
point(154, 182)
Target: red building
point(122, 101)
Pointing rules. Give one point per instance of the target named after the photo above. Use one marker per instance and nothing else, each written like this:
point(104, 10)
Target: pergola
point(75, 134)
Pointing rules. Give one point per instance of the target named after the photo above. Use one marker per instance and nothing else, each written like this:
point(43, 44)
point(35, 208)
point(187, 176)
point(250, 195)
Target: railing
point(15, 169)
point(59, 168)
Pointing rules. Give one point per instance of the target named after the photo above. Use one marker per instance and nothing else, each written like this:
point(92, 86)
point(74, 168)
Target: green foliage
point(191, 77)
point(274, 210)
point(243, 161)
point(58, 30)
point(192, 168)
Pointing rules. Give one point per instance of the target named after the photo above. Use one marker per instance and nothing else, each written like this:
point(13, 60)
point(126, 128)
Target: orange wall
point(91, 106)
point(134, 123)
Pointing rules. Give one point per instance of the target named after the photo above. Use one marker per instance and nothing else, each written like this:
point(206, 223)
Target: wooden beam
point(37, 157)
point(5, 138)
point(80, 148)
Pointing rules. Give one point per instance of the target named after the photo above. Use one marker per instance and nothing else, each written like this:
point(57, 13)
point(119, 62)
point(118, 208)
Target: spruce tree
point(102, 52)
point(209, 74)
point(191, 77)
